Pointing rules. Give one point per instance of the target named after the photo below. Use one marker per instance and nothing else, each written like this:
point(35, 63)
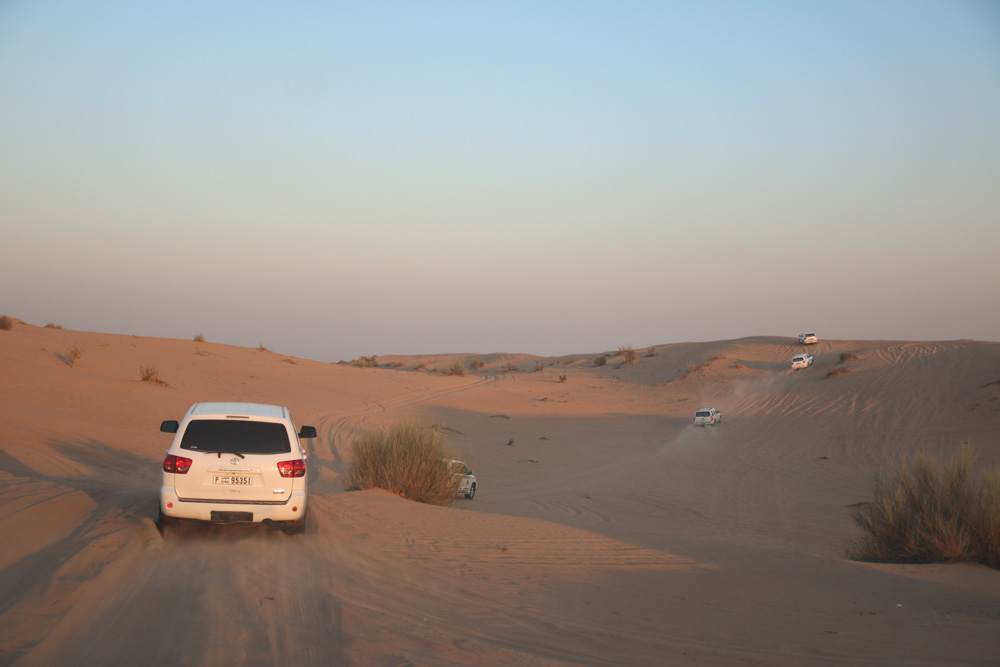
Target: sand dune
point(607, 529)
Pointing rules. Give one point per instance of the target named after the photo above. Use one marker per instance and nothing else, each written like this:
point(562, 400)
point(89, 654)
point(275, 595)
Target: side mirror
point(308, 432)
point(169, 426)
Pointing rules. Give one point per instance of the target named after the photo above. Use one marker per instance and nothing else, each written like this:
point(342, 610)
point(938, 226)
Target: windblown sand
point(607, 530)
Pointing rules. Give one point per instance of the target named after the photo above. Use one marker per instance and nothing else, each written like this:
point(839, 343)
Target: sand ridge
point(608, 530)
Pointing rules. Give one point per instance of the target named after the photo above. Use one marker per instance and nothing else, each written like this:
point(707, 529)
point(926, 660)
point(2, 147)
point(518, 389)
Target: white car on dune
point(235, 463)
point(802, 361)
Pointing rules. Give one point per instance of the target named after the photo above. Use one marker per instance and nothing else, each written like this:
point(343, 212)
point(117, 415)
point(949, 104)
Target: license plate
point(233, 480)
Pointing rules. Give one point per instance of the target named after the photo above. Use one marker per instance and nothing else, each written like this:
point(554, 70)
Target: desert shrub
point(408, 459)
point(562, 378)
point(51, 325)
point(931, 511)
point(848, 356)
point(199, 338)
point(261, 347)
point(73, 354)
point(421, 366)
point(477, 363)
point(150, 374)
point(366, 362)
point(6, 322)
point(652, 352)
point(457, 368)
point(600, 360)
point(539, 367)
point(510, 367)
point(628, 353)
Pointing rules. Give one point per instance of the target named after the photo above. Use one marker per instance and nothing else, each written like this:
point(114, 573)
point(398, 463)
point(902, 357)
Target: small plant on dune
point(510, 367)
point(261, 348)
point(366, 362)
point(150, 374)
point(421, 366)
point(848, 356)
point(457, 368)
point(6, 322)
point(51, 325)
point(931, 511)
point(408, 459)
point(652, 352)
point(628, 353)
point(600, 360)
point(476, 364)
point(73, 354)
point(562, 378)
point(539, 367)
point(199, 338)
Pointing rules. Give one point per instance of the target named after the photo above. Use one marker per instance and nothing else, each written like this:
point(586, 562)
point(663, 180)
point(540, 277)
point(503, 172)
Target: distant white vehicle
point(808, 338)
point(235, 463)
point(466, 479)
point(802, 361)
point(707, 417)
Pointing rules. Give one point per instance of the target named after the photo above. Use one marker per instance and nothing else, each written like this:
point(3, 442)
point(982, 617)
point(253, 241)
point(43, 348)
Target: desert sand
point(607, 529)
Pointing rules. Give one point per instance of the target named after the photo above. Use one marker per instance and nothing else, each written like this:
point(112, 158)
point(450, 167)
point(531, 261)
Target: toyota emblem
point(234, 461)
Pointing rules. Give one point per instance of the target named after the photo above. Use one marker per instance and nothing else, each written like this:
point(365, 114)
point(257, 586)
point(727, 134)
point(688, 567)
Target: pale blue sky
point(337, 179)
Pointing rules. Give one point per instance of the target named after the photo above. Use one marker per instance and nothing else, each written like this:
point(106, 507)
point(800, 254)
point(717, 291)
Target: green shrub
point(931, 511)
point(366, 362)
point(600, 360)
point(407, 459)
point(6, 322)
point(457, 368)
point(73, 354)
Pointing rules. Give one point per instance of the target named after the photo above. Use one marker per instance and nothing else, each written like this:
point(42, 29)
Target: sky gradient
point(338, 179)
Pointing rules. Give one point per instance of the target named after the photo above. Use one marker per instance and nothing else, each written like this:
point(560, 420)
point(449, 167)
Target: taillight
point(296, 468)
point(176, 464)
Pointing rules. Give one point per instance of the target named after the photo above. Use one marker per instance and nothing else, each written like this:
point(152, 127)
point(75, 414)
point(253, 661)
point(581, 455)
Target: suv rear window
point(703, 413)
point(245, 437)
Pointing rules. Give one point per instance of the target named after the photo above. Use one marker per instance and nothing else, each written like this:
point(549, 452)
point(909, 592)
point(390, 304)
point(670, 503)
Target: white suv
point(808, 338)
point(802, 361)
point(235, 463)
point(465, 477)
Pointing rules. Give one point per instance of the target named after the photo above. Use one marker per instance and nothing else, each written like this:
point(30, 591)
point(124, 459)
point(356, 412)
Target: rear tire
point(295, 527)
point(163, 521)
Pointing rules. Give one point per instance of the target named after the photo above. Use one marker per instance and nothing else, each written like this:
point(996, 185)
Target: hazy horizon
point(333, 180)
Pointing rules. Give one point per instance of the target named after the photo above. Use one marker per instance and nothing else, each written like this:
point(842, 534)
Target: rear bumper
point(292, 510)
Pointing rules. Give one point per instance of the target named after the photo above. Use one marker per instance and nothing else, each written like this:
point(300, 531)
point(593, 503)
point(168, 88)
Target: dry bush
point(848, 356)
point(6, 322)
point(457, 368)
point(477, 363)
point(408, 459)
point(600, 360)
point(628, 353)
point(421, 366)
point(199, 338)
point(562, 378)
point(510, 367)
point(931, 511)
point(73, 354)
point(652, 352)
point(150, 374)
point(261, 348)
point(366, 362)
point(52, 325)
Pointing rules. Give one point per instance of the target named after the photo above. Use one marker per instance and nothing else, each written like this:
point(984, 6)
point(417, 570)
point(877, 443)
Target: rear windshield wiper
point(236, 453)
